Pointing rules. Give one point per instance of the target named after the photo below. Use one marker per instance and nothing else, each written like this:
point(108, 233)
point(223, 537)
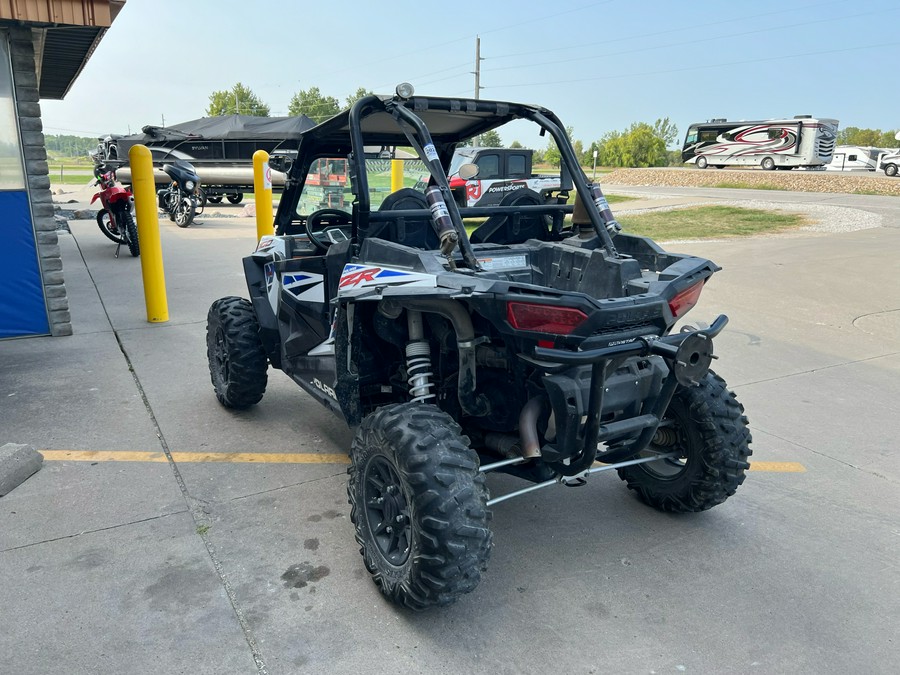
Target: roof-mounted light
point(404, 90)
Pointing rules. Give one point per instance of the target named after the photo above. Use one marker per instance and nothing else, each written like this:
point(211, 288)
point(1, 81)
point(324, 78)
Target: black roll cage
point(435, 146)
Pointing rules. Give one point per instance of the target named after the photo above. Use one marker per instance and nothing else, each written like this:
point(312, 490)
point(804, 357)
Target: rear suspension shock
point(418, 360)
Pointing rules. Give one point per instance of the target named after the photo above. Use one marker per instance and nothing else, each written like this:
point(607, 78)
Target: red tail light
point(682, 302)
point(544, 318)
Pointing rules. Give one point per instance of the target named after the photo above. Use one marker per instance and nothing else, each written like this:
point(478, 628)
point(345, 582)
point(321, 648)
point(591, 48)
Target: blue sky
point(599, 65)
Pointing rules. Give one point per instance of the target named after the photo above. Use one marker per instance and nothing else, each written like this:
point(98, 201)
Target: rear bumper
point(617, 395)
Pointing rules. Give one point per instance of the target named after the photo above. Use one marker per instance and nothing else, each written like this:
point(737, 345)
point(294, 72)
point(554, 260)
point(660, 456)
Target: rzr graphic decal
point(305, 286)
point(360, 276)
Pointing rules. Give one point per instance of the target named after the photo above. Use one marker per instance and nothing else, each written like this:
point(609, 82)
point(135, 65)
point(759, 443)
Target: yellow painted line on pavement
point(261, 457)
point(232, 457)
point(102, 456)
point(781, 467)
point(277, 458)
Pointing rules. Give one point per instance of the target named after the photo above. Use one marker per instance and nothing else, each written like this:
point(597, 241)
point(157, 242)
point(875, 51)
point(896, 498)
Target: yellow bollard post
point(144, 188)
point(396, 174)
point(262, 188)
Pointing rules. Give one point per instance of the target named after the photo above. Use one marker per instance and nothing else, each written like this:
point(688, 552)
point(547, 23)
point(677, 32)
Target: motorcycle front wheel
point(104, 220)
point(131, 229)
point(184, 212)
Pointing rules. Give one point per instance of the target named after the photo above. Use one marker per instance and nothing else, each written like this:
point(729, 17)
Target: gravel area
point(796, 180)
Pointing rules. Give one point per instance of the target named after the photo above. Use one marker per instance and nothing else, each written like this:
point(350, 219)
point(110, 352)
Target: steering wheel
point(335, 216)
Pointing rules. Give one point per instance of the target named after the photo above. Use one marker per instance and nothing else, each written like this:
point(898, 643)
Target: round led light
point(405, 90)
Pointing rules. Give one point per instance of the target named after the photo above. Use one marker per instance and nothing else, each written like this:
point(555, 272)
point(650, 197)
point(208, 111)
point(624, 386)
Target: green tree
point(551, 154)
point(864, 137)
point(578, 147)
point(666, 130)
point(362, 92)
point(239, 99)
point(312, 103)
point(70, 146)
point(490, 139)
point(515, 145)
point(638, 146)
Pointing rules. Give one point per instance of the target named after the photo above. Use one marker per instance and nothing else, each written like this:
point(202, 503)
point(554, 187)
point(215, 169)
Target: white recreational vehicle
point(801, 141)
point(855, 158)
point(890, 161)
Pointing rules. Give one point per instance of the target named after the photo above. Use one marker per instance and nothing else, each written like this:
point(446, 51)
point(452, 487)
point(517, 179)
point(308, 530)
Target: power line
point(693, 41)
point(712, 65)
point(469, 37)
point(682, 29)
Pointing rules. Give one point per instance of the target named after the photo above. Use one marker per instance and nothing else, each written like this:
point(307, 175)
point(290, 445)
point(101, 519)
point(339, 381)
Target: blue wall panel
point(22, 308)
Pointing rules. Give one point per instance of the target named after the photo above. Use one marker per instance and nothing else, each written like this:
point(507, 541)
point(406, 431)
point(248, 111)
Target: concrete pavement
point(195, 567)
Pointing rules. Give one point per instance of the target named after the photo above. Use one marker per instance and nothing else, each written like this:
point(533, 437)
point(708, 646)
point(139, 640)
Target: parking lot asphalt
point(134, 551)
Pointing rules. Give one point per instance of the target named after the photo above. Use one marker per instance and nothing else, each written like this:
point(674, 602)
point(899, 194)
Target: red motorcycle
point(116, 218)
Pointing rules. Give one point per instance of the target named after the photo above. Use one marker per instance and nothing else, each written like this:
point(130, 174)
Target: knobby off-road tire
point(707, 427)
point(412, 470)
point(130, 225)
point(104, 222)
point(237, 360)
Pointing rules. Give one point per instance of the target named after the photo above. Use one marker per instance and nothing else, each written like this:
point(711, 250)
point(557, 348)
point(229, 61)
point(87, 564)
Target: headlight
point(189, 185)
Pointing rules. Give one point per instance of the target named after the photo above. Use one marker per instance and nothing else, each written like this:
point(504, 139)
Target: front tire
point(706, 426)
point(134, 246)
point(418, 503)
point(237, 360)
point(702, 163)
point(236, 198)
point(184, 212)
point(890, 170)
point(104, 222)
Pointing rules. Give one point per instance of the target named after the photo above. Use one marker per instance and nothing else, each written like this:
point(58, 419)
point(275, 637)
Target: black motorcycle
point(183, 199)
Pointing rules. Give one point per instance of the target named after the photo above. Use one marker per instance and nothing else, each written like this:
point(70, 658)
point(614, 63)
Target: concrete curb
point(17, 463)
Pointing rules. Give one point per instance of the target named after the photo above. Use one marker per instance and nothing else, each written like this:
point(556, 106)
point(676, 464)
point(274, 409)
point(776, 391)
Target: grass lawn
point(707, 222)
point(738, 185)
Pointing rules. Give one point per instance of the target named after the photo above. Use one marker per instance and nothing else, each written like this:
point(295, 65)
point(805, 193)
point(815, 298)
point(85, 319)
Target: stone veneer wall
point(37, 172)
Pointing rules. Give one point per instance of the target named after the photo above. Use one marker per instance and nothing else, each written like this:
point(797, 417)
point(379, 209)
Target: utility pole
point(164, 120)
point(237, 108)
point(478, 61)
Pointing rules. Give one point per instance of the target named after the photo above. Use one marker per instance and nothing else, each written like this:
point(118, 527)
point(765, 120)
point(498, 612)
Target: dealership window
point(12, 173)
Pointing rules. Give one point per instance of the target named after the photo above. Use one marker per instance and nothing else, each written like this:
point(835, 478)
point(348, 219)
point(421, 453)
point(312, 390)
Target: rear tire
point(236, 198)
point(237, 360)
point(708, 429)
point(134, 246)
point(890, 170)
point(214, 199)
point(418, 503)
point(767, 164)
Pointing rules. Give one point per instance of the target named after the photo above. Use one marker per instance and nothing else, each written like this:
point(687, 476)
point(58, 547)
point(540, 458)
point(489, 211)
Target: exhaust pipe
point(528, 433)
